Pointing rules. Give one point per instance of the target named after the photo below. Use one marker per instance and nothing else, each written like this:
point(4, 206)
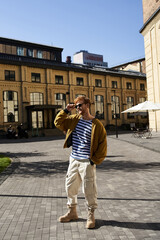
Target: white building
point(91, 59)
point(151, 33)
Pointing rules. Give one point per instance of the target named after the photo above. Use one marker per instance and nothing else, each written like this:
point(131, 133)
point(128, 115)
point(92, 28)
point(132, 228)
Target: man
point(87, 136)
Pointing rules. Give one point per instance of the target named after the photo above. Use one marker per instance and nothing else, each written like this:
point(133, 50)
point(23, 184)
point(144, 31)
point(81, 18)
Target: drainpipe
point(21, 92)
point(46, 82)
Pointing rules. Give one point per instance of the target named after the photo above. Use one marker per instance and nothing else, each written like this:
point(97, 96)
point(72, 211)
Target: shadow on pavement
point(109, 165)
point(133, 225)
point(42, 169)
point(24, 154)
point(31, 139)
point(50, 167)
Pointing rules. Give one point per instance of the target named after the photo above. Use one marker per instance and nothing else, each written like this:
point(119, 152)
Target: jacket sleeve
point(62, 120)
point(101, 149)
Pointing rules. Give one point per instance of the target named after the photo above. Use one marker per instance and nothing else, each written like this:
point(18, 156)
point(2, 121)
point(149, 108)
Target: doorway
point(37, 119)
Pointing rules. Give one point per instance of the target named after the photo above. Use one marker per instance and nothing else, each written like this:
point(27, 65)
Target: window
point(99, 106)
point(130, 103)
point(36, 77)
point(129, 85)
point(58, 79)
point(142, 99)
point(53, 56)
point(30, 53)
point(115, 107)
point(10, 100)
point(37, 116)
point(142, 87)
point(36, 98)
point(80, 81)
point(98, 82)
point(144, 114)
point(10, 75)
point(39, 54)
point(10, 95)
point(60, 99)
point(20, 51)
point(114, 84)
point(37, 119)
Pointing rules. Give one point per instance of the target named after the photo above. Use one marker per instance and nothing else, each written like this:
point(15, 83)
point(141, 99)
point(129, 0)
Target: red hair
point(84, 99)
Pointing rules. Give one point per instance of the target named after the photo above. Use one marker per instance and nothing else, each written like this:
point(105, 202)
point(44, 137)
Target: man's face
point(81, 107)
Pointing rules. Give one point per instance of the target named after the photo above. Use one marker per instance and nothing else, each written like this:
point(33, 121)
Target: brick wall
point(149, 7)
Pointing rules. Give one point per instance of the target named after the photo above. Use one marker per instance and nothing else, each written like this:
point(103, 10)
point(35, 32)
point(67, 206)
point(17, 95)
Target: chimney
point(68, 59)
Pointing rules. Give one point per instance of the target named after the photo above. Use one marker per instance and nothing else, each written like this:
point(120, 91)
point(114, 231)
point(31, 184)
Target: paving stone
point(33, 194)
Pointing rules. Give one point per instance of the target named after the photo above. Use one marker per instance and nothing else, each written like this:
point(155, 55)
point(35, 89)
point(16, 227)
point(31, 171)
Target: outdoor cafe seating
point(142, 133)
point(144, 107)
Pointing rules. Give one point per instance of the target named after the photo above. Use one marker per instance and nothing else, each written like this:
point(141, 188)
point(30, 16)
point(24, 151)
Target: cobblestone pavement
point(32, 194)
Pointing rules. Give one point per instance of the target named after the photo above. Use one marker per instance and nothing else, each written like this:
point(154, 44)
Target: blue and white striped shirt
point(81, 139)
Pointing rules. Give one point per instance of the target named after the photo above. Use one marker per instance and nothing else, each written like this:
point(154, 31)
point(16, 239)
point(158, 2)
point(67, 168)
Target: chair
point(148, 133)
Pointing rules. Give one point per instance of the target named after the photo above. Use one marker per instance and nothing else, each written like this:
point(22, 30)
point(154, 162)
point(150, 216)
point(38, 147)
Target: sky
point(106, 27)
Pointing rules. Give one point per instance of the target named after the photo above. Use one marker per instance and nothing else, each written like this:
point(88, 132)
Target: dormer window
point(30, 53)
point(39, 54)
point(20, 51)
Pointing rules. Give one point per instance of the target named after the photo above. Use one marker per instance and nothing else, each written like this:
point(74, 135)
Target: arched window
point(36, 98)
point(99, 106)
point(10, 101)
point(115, 107)
point(130, 103)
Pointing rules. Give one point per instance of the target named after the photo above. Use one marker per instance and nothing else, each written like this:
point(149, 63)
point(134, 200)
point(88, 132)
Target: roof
point(28, 44)
point(149, 20)
point(126, 63)
point(44, 63)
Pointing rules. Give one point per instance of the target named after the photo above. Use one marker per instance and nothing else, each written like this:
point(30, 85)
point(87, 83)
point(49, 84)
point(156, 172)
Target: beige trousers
point(81, 172)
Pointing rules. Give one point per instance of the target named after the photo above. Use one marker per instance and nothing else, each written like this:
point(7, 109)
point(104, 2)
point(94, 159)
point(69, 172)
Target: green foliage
point(4, 162)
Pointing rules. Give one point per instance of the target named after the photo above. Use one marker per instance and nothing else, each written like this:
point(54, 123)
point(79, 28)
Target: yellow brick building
point(35, 84)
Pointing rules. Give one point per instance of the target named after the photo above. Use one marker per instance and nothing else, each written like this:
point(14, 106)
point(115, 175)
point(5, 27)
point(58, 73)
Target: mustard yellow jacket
point(67, 124)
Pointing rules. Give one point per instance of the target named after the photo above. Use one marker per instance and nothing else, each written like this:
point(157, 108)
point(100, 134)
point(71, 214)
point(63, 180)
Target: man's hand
point(70, 106)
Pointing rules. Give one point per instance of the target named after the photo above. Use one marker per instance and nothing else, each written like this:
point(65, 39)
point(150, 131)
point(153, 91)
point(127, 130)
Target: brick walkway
point(32, 194)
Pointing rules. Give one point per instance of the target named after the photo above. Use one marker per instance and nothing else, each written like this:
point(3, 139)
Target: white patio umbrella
point(143, 107)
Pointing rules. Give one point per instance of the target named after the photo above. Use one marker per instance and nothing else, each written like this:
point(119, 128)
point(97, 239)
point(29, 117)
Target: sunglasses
point(79, 105)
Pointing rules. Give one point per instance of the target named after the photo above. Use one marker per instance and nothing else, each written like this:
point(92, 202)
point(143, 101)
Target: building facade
point(137, 65)
point(33, 90)
point(90, 59)
point(151, 33)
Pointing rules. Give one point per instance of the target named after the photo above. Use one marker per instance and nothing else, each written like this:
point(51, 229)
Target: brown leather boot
point(90, 219)
point(70, 215)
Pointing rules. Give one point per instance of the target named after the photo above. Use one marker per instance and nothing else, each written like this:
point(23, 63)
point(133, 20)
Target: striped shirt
point(81, 139)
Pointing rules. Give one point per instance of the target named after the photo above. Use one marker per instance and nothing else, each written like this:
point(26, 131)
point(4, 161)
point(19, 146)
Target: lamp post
point(115, 116)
